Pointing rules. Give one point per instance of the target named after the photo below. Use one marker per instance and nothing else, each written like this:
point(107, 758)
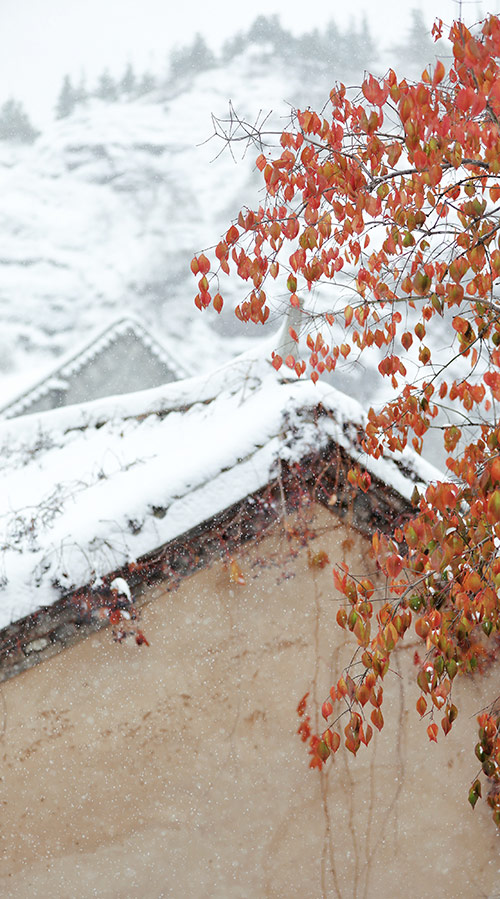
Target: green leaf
point(474, 792)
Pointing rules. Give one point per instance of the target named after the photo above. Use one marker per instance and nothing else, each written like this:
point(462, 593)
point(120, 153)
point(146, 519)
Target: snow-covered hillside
point(103, 213)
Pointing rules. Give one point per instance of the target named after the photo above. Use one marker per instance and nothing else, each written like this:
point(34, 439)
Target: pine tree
point(329, 50)
point(201, 55)
point(67, 99)
point(189, 60)
point(234, 46)
point(359, 50)
point(106, 87)
point(128, 82)
point(80, 92)
point(268, 30)
point(336, 54)
point(15, 124)
point(309, 48)
point(365, 51)
point(265, 31)
point(146, 84)
point(418, 50)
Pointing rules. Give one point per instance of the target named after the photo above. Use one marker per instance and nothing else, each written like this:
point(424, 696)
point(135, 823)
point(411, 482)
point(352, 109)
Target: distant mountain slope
point(103, 213)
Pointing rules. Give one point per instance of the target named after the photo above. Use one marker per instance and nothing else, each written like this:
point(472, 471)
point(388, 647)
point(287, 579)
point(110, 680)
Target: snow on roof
point(73, 362)
point(79, 485)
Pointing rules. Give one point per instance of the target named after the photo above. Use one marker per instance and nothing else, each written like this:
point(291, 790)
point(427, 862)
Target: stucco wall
point(175, 770)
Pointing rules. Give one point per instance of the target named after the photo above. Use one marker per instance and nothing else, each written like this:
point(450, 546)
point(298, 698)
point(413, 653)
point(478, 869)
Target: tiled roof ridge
point(73, 364)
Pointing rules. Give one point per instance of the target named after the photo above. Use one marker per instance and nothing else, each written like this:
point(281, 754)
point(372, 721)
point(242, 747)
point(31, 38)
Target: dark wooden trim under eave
point(320, 478)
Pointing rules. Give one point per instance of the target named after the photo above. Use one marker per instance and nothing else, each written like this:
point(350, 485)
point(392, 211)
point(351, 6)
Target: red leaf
point(394, 565)
point(375, 93)
point(302, 705)
point(203, 264)
point(326, 709)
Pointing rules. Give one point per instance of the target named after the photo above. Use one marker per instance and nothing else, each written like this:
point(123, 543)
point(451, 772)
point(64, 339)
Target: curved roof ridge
point(72, 362)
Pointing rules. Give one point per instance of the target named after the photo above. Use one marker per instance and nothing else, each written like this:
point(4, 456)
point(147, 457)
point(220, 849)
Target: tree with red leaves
point(390, 198)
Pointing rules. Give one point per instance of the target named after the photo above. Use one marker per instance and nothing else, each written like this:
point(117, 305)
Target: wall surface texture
point(175, 769)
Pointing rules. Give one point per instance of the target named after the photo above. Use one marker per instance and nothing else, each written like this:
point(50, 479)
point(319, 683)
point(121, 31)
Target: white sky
point(41, 40)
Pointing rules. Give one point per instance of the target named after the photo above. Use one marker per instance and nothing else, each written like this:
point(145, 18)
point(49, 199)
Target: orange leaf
point(432, 731)
point(326, 709)
point(494, 506)
point(421, 706)
point(342, 618)
point(439, 73)
point(235, 573)
point(332, 740)
point(422, 628)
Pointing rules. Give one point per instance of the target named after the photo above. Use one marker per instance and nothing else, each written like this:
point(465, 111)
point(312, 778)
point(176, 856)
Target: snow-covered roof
point(81, 486)
point(103, 353)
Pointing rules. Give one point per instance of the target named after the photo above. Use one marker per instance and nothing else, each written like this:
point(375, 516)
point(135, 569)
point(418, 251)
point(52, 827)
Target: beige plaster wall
point(175, 770)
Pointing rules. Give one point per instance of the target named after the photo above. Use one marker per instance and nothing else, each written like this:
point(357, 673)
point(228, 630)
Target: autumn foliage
point(391, 196)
